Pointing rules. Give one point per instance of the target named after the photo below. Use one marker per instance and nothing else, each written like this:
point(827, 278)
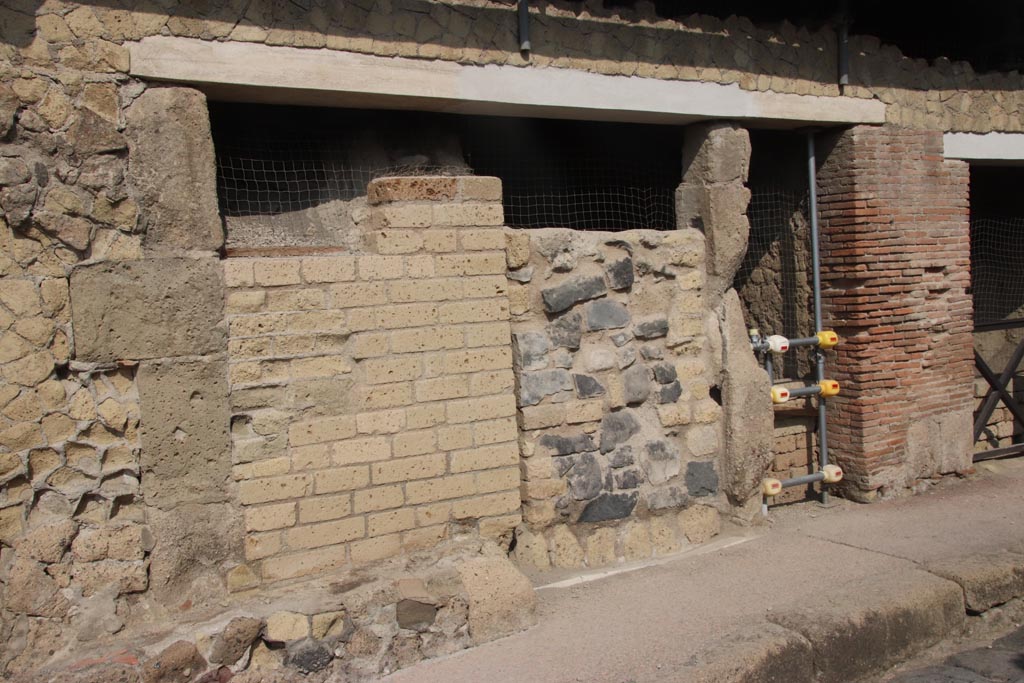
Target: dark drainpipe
point(524, 28)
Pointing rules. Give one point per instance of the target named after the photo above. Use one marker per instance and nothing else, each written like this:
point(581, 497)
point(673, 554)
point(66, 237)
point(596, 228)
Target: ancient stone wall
point(615, 406)
point(371, 394)
point(788, 59)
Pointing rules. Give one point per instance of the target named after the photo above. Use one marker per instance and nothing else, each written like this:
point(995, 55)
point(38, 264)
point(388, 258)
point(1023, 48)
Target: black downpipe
point(524, 28)
point(843, 44)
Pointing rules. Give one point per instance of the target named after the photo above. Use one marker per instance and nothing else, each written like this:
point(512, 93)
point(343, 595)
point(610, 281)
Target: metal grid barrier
point(774, 278)
point(997, 272)
point(570, 174)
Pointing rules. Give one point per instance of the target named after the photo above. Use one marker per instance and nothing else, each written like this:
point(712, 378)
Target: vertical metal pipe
point(524, 28)
point(769, 368)
point(844, 53)
point(819, 356)
point(843, 43)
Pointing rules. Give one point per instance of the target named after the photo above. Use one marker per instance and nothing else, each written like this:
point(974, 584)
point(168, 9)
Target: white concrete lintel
point(261, 73)
point(991, 148)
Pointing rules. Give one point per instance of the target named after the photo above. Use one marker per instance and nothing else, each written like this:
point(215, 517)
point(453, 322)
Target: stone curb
point(987, 580)
point(860, 628)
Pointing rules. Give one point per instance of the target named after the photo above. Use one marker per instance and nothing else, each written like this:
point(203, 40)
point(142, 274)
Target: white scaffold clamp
point(777, 343)
point(771, 487)
point(833, 474)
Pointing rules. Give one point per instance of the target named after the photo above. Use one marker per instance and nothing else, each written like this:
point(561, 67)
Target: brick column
point(896, 265)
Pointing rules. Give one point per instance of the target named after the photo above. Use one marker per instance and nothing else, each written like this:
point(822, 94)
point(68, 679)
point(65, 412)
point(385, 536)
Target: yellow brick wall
point(373, 403)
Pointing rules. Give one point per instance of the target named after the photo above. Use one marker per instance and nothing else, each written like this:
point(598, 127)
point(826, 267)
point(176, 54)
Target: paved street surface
point(842, 593)
point(1002, 661)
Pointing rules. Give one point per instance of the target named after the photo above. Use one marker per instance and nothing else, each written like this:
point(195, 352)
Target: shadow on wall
point(559, 33)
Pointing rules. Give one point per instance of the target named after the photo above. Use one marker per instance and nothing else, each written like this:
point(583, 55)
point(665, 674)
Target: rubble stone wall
point(614, 400)
point(372, 404)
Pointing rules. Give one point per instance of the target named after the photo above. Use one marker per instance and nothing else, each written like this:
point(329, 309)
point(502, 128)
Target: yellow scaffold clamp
point(771, 487)
point(827, 339)
point(829, 387)
point(780, 394)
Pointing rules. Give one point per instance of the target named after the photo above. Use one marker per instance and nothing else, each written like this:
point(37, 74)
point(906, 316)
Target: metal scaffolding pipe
point(805, 391)
point(806, 479)
point(804, 341)
point(819, 356)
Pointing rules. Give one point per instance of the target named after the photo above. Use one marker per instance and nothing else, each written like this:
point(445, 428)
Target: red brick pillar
point(896, 265)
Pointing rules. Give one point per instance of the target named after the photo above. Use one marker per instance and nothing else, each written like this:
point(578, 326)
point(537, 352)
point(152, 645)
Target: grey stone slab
point(701, 479)
point(186, 448)
point(606, 315)
point(173, 170)
point(585, 477)
point(609, 506)
point(587, 386)
point(155, 308)
point(566, 330)
point(636, 384)
point(567, 445)
point(620, 274)
point(534, 387)
point(565, 295)
point(617, 428)
point(531, 350)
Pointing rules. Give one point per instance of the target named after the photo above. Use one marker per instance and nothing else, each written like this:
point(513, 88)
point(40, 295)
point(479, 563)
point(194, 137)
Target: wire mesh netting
point(278, 160)
point(997, 270)
point(774, 278)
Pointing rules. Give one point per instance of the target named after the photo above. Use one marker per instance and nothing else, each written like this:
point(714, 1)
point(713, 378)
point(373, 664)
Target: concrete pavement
point(824, 594)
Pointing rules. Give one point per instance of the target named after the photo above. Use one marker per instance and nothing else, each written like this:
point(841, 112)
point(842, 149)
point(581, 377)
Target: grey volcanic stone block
point(186, 450)
point(621, 457)
point(584, 478)
point(155, 308)
point(587, 386)
point(665, 373)
point(651, 353)
point(670, 393)
point(565, 331)
point(617, 428)
point(628, 479)
point(308, 656)
point(563, 296)
point(535, 386)
point(606, 315)
point(609, 506)
point(666, 497)
point(173, 170)
point(636, 383)
point(531, 350)
point(651, 329)
point(620, 338)
point(563, 464)
point(567, 445)
point(661, 461)
point(701, 479)
point(620, 274)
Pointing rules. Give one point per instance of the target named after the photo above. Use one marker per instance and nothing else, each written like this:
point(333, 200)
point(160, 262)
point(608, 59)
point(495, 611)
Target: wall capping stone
point(985, 147)
point(253, 72)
